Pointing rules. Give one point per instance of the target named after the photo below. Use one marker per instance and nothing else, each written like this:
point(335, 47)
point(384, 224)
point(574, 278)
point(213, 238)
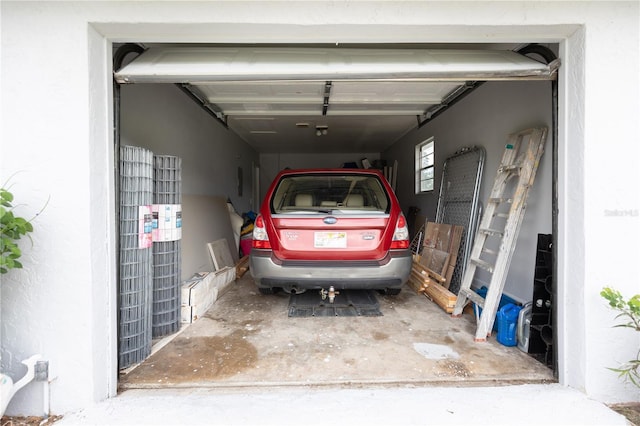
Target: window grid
point(425, 166)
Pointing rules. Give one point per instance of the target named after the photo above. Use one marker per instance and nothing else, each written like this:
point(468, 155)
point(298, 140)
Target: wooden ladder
point(497, 233)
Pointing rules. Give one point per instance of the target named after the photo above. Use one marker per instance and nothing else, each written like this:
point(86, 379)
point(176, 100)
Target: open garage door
point(263, 93)
point(201, 65)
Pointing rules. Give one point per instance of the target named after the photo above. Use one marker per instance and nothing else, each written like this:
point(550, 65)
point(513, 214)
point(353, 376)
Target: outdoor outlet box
point(41, 371)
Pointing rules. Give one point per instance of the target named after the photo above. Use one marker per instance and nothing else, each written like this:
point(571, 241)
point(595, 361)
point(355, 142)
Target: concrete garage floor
point(247, 340)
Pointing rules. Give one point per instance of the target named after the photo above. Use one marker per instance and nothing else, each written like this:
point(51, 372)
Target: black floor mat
point(348, 303)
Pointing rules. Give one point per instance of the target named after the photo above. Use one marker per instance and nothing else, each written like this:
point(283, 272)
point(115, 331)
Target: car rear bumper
point(391, 272)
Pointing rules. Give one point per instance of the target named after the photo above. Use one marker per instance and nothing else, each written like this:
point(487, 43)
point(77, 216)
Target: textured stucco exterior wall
point(56, 131)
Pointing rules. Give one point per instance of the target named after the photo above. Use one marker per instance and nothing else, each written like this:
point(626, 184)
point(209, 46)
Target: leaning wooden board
point(441, 239)
point(437, 236)
point(435, 261)
point(454, 249)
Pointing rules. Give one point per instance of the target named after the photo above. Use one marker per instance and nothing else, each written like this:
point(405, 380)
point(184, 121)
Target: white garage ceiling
point(311, 99)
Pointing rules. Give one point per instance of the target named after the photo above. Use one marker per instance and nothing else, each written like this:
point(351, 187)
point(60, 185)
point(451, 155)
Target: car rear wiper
point(310, 210)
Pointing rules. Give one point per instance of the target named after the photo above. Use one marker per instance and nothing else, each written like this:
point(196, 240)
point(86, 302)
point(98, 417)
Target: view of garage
point(235, 158)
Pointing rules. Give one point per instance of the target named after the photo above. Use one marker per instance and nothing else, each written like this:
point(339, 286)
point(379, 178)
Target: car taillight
point(400, 238)
point(260, 237)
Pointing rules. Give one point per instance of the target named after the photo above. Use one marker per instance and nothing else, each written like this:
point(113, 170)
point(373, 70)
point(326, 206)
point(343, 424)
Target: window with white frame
point(424, 166)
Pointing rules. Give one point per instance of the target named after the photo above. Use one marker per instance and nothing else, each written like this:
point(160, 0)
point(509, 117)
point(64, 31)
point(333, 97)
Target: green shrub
point(12, 228)
point(630, 313)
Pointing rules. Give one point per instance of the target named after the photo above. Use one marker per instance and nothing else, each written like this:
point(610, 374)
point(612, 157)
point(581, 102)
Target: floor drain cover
point(348, 303)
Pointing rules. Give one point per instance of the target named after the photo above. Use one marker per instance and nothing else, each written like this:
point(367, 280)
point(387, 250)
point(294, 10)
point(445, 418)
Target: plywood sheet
point(454, 249)
point(440, 238)
point(437, 236)
point(435, 260)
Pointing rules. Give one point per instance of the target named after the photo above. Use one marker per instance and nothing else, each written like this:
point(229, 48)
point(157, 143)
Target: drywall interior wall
point(272, 163)
point(160, 117)
point(486, 117)
point(205, 219)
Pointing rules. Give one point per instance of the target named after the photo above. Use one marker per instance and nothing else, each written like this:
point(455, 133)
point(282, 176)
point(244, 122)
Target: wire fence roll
point(135, 283)
point(167, 258)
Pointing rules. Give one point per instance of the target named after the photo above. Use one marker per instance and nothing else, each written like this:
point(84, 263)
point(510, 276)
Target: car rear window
point(335, 193)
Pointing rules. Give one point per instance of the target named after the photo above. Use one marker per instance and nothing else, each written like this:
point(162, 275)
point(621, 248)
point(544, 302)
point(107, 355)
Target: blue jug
point(508, 324)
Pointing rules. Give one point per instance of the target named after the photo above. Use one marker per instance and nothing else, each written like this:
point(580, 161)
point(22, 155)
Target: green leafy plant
point(12, 228)
point(630, 313)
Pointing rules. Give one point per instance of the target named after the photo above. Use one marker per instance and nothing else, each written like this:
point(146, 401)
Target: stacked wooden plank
point(433, 267)
point(242, 266)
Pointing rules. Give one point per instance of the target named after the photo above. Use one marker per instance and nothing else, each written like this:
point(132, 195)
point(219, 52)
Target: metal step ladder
point(416, 243)
point(497, 233)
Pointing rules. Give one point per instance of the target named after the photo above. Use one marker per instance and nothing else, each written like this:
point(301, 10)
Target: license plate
point(330, 240)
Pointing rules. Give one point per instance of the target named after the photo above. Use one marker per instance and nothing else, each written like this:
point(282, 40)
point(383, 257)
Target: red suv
point(330, 227)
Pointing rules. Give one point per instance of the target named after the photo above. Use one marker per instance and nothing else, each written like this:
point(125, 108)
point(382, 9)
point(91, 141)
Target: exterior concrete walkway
point(531, 404)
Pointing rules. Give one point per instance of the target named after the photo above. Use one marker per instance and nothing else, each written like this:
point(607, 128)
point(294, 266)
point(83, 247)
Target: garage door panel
point(202, 64)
